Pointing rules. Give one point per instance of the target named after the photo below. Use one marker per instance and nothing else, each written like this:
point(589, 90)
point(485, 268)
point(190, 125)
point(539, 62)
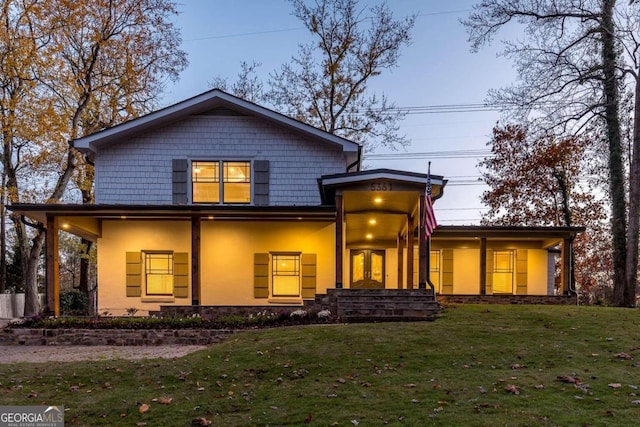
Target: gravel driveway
point(75, 353)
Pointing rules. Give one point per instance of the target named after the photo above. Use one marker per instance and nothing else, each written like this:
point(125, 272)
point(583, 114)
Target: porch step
point(384, 305)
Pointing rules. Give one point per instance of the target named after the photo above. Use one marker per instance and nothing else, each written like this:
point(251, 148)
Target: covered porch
point(380, 239)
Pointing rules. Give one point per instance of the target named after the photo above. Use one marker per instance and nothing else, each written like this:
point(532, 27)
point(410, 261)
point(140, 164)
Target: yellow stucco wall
point(537, 272)
point(226, 263)
point(466, 271)
point(228, 249)
point(120, 237)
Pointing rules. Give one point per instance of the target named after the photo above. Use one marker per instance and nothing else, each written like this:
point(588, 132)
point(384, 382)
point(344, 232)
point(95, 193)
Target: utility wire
point(282, 30)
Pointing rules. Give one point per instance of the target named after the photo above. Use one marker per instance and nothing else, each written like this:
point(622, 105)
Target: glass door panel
point(367, 269)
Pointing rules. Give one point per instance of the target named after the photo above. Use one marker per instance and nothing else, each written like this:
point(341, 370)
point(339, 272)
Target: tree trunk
point(31, 303)
point(85, 267)
point(633, 232)
point(3, 235)
point(616, 169)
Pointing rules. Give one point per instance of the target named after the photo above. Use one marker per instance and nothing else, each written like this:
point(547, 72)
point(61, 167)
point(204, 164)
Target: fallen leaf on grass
point(201, 421)
point(141, 424)
point(32, 394)
point(308, 419)
point(143, 408)
point(517, 366)
point(341, 380)
point(635, 402)
point(540, 387)
point(164, 400)
point(513, 389)
point(568, 379)
point(615, 386)
point(624, 356)
point(410, 385)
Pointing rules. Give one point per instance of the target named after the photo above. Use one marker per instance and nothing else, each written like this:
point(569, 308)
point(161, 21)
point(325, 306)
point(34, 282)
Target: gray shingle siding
point(139, 170)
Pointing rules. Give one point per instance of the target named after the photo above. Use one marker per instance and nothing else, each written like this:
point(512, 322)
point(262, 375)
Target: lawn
point(473, 366)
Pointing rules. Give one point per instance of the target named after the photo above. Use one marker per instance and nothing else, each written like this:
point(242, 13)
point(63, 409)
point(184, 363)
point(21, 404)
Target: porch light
point(373, 221)
point(210, 217)
point(369, 236)
point(123, 217)
point(196, 170)
point(378, 200)
point(65, 226)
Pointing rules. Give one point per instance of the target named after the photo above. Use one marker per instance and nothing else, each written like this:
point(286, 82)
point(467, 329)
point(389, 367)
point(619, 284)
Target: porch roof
point(85, 220)
point(547, 237)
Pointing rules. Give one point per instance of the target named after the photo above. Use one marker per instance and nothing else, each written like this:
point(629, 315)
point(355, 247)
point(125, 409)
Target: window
point(434, 269)
point(221, 181)
point(285, 275)
point(503, 272)
point(158, 268)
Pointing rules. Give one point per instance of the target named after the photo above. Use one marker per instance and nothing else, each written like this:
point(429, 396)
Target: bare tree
point(570, 72)
point(326, 84)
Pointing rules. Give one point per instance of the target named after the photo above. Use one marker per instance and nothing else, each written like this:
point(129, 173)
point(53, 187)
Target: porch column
point(410, 226)
point(195, 260)
point(422, 245)
point(400, 248)
point(53, 266)
point(483, 266)
point(565, 273)
point(339, 240)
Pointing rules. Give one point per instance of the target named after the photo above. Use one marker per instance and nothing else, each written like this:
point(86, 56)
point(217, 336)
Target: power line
point(452, 154)
point(282, 30)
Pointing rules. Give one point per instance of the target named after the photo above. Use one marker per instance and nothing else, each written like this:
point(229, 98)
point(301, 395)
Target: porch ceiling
point(377, 217)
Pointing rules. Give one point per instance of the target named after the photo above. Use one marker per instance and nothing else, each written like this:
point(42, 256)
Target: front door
point(367, 269)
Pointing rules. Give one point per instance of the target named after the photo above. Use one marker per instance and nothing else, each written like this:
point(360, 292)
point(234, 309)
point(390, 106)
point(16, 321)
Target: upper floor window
point(221, 181)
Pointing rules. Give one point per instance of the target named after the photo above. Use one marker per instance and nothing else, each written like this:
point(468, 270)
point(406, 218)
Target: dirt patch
point(75, 353)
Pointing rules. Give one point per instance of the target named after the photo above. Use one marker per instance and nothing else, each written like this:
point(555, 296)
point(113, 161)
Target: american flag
point(430, 222)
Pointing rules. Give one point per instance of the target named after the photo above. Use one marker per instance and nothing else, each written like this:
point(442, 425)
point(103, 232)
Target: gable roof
point(202, 103)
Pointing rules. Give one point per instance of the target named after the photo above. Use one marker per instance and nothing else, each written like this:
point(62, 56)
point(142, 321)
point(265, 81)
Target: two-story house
point(216, 201)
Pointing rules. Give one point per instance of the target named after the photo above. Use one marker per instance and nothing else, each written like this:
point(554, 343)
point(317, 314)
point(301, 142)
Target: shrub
point(74, 303)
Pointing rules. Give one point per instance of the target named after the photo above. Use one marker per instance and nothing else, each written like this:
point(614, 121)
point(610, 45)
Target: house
point(216, 201)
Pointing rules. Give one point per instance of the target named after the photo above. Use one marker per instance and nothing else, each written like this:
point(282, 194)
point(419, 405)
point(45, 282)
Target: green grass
point(451, 372)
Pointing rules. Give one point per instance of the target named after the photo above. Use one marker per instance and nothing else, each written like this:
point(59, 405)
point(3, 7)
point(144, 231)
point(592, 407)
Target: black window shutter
point(261, 183)
point(180, 181)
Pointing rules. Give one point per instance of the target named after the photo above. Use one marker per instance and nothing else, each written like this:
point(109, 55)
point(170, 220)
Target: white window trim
point(220, 161)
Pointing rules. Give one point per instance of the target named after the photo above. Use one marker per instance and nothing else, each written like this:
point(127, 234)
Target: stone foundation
point(508, 299)
point(117, 337)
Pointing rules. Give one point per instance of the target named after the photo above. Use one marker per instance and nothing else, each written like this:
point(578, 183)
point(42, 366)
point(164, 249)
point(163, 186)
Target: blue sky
point(436, 69)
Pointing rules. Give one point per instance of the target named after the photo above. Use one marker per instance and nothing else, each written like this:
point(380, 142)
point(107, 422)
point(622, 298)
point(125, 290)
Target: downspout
point(572, 275)
point(358, 160)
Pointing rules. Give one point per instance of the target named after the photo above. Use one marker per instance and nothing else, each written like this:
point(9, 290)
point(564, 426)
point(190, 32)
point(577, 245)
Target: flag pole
point(428, 242)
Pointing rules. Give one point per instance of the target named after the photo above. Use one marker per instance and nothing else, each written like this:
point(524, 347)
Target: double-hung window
point(158, 269)
point(503, 263)
point(221, 181)
point(434, 269)
point(285, 275)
